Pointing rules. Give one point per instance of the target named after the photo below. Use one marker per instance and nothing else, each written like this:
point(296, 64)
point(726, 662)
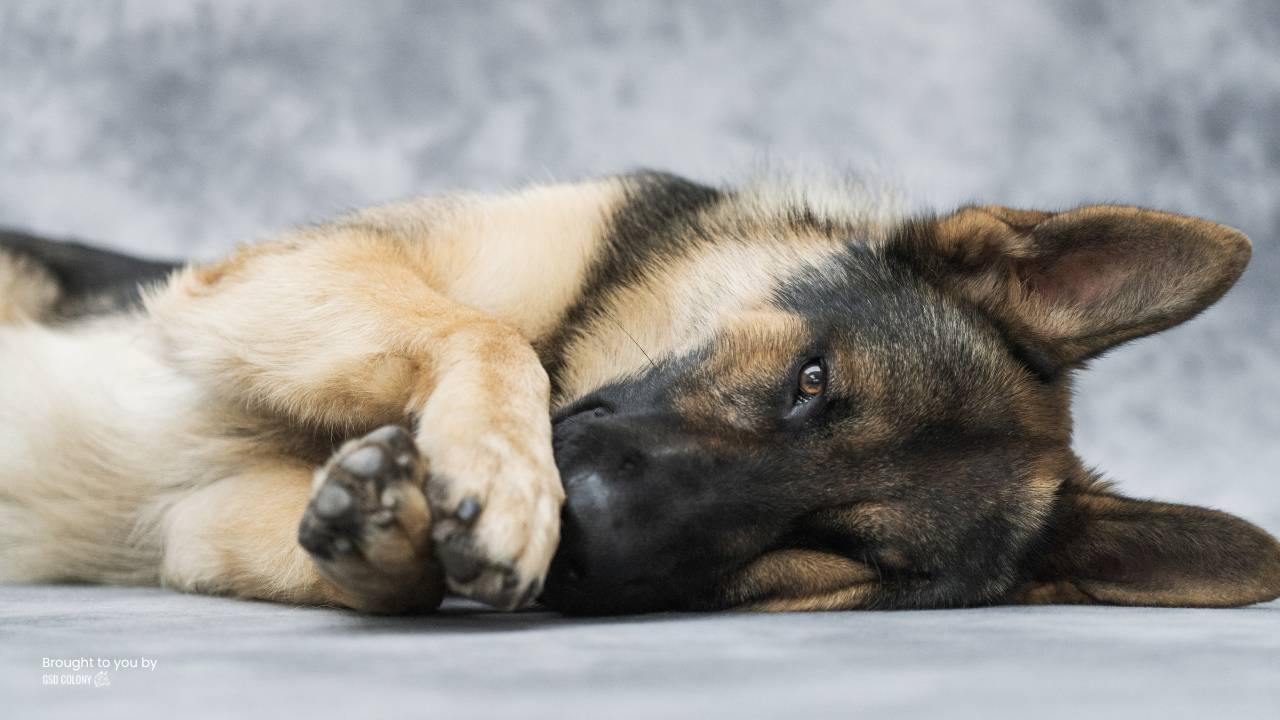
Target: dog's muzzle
point(628, 497)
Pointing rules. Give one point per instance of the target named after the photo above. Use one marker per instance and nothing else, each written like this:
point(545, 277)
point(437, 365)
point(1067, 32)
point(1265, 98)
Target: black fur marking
point(652, 221)
point(92, 281)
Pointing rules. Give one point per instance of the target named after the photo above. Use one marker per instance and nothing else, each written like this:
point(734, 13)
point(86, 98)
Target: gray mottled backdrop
point(181, 128)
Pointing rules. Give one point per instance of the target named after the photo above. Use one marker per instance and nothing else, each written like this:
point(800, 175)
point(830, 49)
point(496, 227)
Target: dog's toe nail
point(510, 597)
point(365, 462)
point(467, 510)
point(459, 561)
point(383, 518)
point(510, 580)
point(333, 501)
point(531, 593)
point(343, 545)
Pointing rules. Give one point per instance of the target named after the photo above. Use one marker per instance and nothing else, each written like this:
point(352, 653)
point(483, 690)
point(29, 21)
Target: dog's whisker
point(633, 340)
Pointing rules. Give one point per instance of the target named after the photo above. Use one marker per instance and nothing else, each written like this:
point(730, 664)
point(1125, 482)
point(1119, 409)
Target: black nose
point(606, 518)
point(615, 519)
point(607, 562)
point(597, 528)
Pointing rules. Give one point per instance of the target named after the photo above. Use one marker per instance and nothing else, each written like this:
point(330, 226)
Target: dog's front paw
point(368, 525)
point(496, 503)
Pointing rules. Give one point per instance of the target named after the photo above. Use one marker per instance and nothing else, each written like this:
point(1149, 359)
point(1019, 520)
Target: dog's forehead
point(690, 301)
point(911, 360)
point(719, 261)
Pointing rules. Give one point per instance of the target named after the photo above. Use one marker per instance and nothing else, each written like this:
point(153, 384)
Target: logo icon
point(102, 679)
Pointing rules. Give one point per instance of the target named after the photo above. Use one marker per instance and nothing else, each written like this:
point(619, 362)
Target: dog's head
point(890, 426)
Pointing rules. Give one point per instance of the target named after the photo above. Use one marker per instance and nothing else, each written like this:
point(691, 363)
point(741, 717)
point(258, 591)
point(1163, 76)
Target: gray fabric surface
point(263, 661)
point(181, 128)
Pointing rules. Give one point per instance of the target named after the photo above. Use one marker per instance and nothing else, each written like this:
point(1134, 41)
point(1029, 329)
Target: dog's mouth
point(571, 590)
point(597, 568)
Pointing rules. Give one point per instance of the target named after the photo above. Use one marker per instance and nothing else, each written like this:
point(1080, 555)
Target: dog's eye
point(812, 381)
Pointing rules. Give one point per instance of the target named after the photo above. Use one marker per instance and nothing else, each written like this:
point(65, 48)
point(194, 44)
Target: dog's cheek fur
point(800, 579)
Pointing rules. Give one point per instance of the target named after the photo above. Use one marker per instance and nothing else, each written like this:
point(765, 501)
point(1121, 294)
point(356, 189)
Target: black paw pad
point(369, 461)
point(334, 503)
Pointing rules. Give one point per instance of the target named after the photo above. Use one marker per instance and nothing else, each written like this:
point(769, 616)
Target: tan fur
point(751, 346)
point(237, 535)
point(327, 331)
point(1058, 592)
point(386, 316)
point(794, 579)
point(27, 291)
point(99, 436)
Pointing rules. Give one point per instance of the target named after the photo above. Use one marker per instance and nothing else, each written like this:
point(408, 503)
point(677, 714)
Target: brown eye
point(812, 381)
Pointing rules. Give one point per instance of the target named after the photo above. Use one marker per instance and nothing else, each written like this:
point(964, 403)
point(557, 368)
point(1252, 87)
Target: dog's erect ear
point(1069, 285)
point(1111, 549)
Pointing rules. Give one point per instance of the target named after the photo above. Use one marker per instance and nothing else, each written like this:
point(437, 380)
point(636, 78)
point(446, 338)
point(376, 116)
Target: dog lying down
point(625, 395)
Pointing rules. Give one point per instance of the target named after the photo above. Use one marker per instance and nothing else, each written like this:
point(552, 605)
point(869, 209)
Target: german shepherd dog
point(631, 394)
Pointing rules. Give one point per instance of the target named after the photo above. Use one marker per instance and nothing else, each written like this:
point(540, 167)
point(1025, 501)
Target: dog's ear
point(1066, 286)
point(1107, 548)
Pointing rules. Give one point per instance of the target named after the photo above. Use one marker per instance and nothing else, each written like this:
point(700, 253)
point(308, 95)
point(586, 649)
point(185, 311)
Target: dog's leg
point(344, 331)
point(365, 526)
